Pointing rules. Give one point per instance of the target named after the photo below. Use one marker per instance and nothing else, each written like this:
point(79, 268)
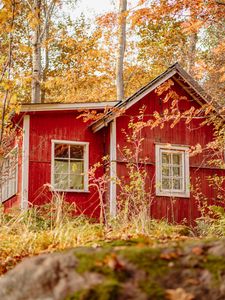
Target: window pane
point(5, 170)
point(76, 151)
point(166, 170)
point(166, 184)
point(61, 181)
point(177, 159)
point(61, 150)
point(166, 158)
point(61, 166)
point(8, 178)
point(77, 182)
point(177, 184)
point(76, 167)
point(176, 171)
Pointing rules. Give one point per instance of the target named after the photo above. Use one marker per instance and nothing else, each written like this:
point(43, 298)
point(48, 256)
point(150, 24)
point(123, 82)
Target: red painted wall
point(176, 209)
point(64, 125)
point(45, 126)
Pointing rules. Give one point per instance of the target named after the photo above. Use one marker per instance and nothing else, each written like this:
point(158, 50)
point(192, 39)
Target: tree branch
point(47, 19)
point(220, 2)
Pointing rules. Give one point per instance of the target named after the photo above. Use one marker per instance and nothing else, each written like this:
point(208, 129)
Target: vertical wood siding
point(45, 127)
point(174, 209)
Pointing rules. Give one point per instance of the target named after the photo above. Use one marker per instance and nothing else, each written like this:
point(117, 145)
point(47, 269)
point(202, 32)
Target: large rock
point(45, 277)
point(191, 271)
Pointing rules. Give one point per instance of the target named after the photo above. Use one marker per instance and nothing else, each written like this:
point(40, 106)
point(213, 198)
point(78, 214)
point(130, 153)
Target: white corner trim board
point(25, 163)
point(113, 171)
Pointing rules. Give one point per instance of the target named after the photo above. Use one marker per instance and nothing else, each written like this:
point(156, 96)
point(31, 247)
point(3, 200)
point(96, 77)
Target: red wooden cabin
point(54, 150)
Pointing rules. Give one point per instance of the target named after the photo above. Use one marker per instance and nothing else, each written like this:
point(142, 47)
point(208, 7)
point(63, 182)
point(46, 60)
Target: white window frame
point(11, 192)
point(86, 164)
point(167, 148)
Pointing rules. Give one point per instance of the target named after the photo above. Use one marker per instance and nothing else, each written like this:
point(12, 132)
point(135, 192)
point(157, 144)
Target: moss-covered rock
point(122, 271)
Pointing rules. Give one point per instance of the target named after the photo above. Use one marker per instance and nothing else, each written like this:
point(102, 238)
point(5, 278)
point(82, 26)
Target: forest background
point(78, 52)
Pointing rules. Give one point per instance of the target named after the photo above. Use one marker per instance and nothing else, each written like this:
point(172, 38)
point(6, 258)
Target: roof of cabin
point(54, 106)
point(178, 74)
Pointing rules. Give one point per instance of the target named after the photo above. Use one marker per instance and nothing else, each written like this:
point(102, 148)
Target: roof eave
point(137, 96)
point(66, 106)
point(169, 73)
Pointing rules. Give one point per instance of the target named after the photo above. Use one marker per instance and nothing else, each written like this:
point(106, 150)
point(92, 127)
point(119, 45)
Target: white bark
point(193, 39)
point(36, 57)
point(39, 34)
point(121, 49)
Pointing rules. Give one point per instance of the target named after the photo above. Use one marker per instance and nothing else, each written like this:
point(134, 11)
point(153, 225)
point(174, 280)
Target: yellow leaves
point(13, 99)
point(33, 19)
point(24, 48)
point(178, 294)
point(3, 15)
point(6, 85)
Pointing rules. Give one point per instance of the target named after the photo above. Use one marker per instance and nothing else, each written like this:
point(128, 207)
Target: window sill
point(3, 201)
point(173, 195)
point(71, 191)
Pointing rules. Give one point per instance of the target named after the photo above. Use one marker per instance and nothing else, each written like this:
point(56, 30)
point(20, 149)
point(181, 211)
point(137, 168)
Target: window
point(70, 166)
point(9, 171)
point(172, 171)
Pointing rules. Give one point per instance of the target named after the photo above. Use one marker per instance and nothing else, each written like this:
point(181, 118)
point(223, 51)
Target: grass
point(53, 227)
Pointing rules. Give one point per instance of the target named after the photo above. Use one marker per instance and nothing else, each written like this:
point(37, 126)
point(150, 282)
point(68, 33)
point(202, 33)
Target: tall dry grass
point(53, 227)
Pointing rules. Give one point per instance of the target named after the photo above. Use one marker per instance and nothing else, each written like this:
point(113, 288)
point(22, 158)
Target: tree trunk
point(121, 49)
point(193, 39)
point(46, 67)
point(192, 52)
point(36, 57)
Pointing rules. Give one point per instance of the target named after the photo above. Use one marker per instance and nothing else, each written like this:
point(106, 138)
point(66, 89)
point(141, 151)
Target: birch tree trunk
point(192, 52)
point(36, 56)
point(46, 58)
point(121, 49)
point(193, 39)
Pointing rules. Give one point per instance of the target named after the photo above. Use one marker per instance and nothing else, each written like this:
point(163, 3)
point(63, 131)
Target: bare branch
point(30, 6)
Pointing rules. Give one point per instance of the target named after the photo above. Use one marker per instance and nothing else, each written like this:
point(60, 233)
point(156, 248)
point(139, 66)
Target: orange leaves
point(189, 114)
point(197, 149)
point(164, 87)
point(208, 109)
point(197, 250)
point(170, 255)
point(107, 20)
point(178, 294)
point(111, 261)
point(222, 78)
point(88, 115)
point(192, 26)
